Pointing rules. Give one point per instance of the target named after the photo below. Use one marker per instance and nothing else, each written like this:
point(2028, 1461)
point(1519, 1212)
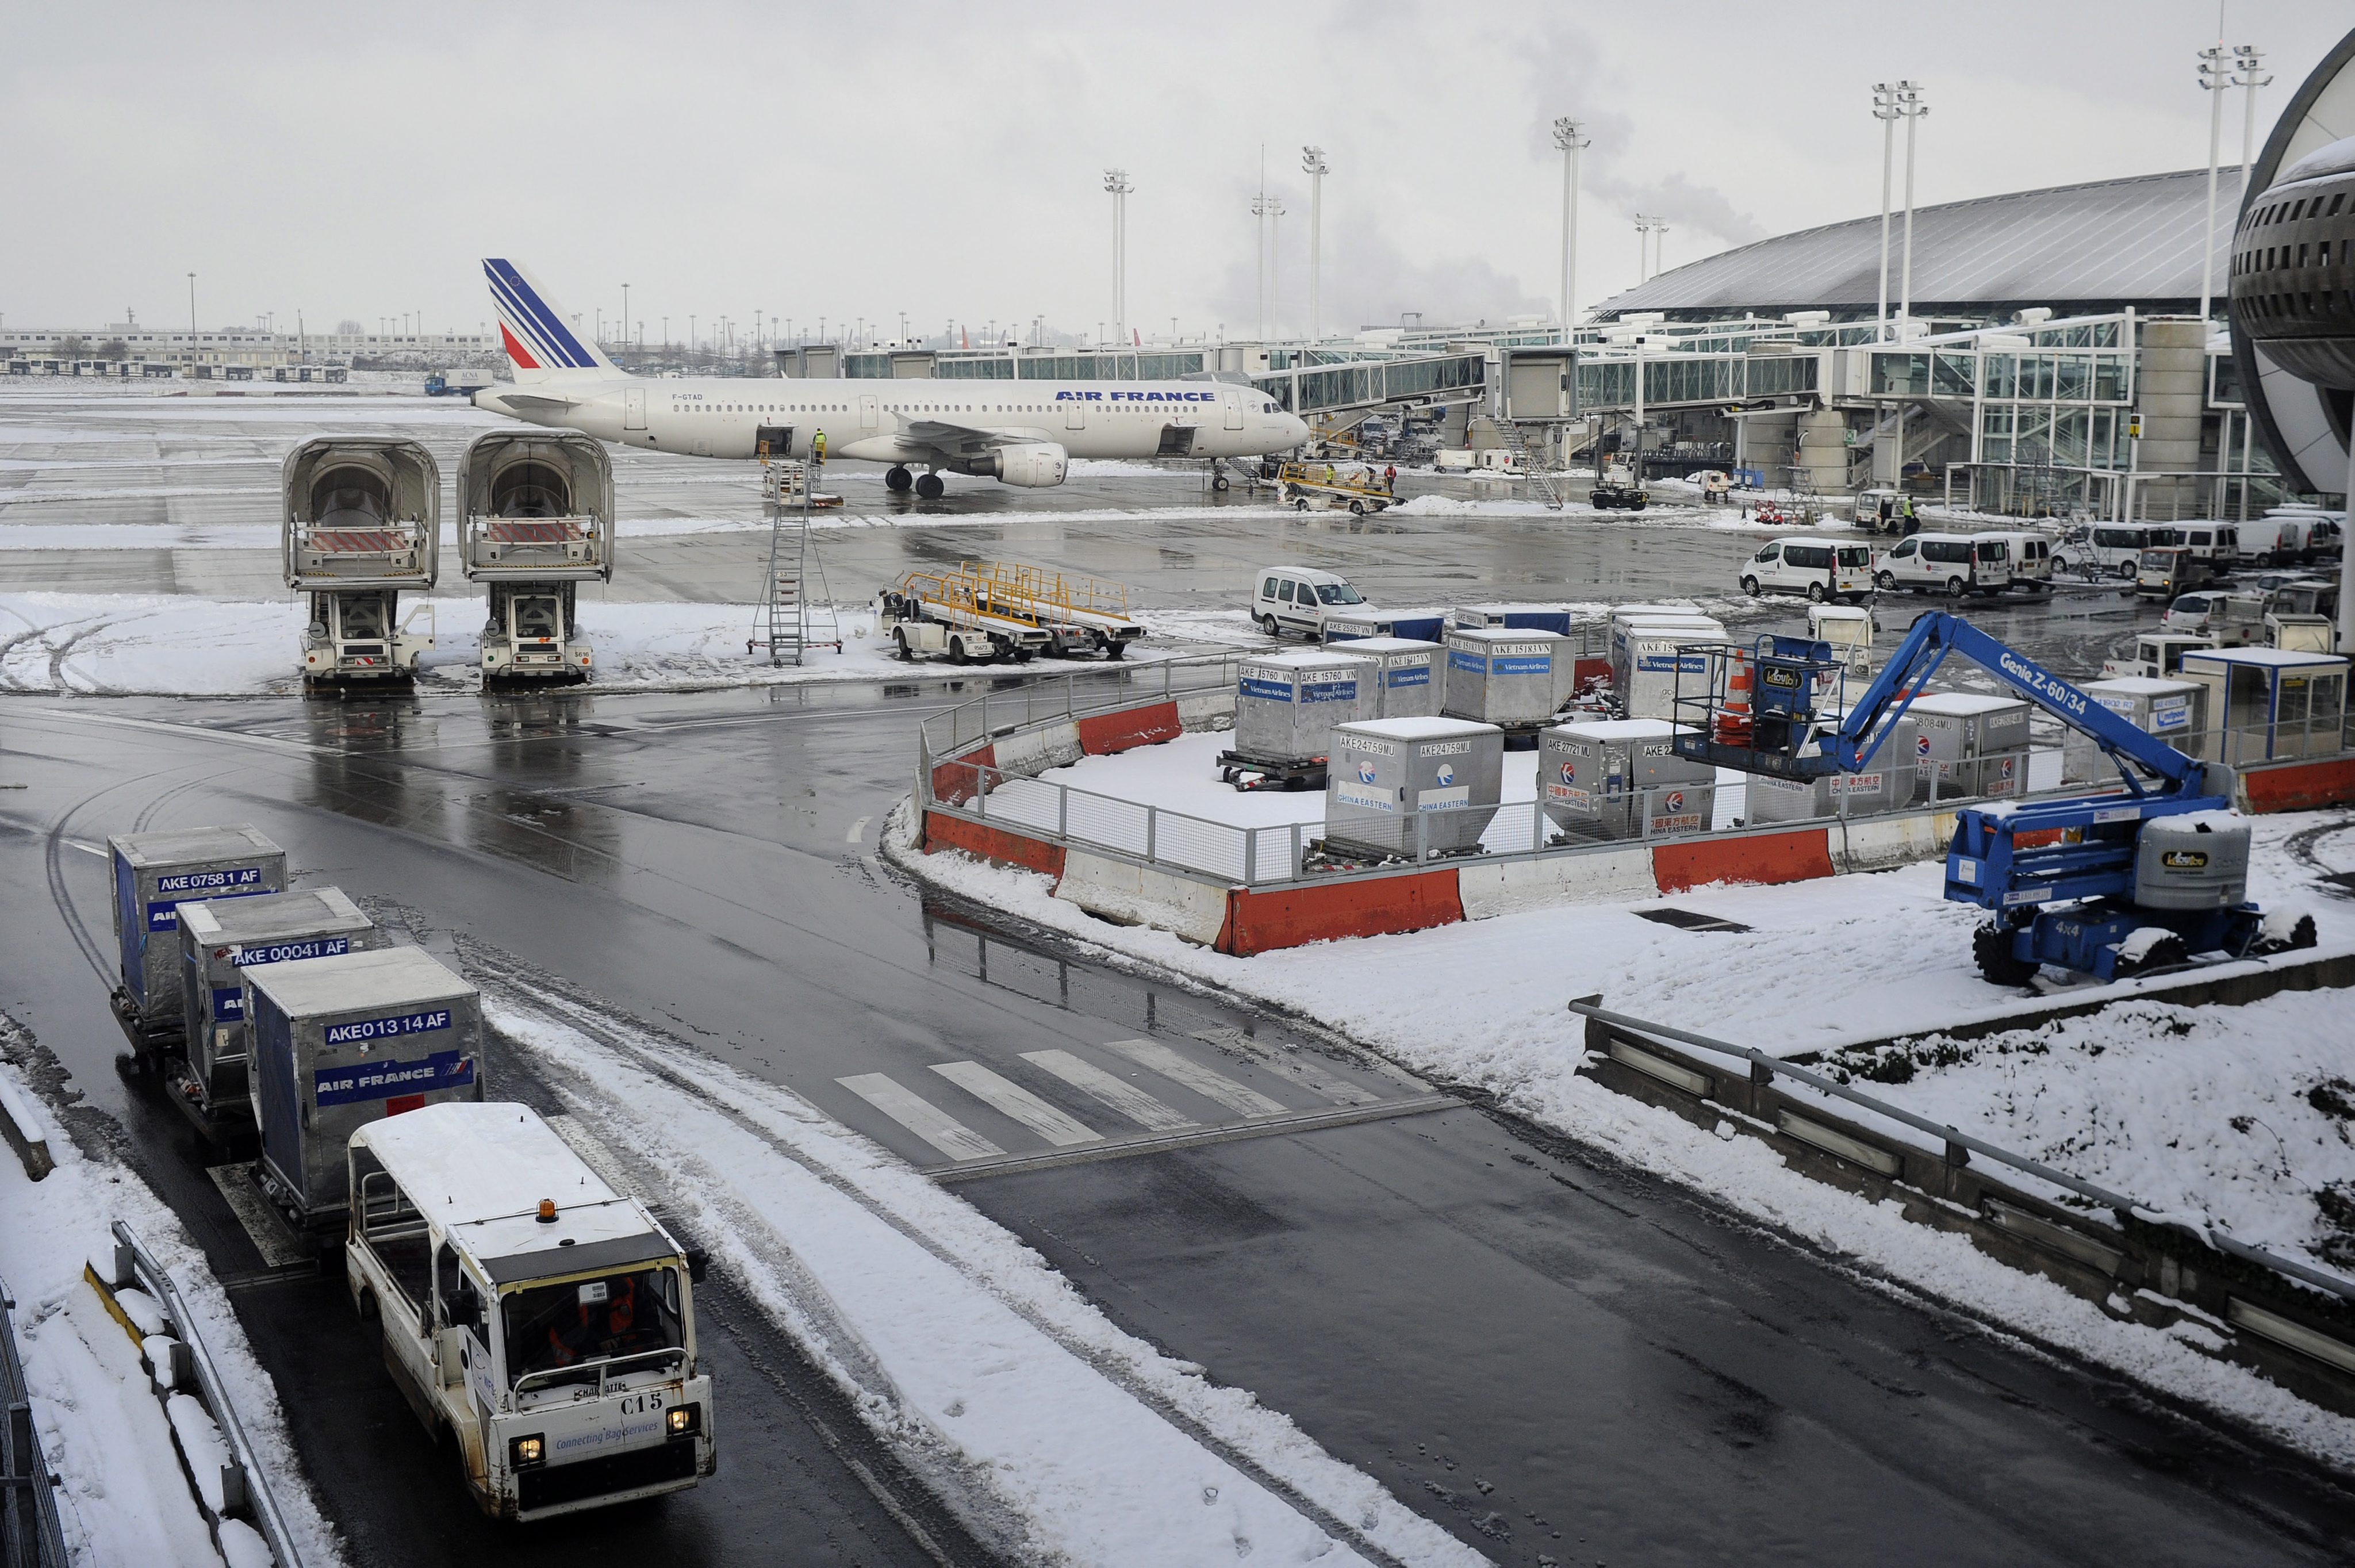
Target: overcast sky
point(947, 160)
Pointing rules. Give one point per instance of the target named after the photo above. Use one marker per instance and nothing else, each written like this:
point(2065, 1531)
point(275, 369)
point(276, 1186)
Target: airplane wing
point(959, 440)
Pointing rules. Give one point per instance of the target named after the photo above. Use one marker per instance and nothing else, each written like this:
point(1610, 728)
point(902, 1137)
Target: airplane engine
point(1033, 464)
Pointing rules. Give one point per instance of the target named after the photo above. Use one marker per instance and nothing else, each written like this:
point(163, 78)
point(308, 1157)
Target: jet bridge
point(362, 521)
point(535, 521)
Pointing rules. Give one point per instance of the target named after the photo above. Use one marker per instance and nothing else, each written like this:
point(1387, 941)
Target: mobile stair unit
point(535, 521)
point(362, 521)
point(792, 622)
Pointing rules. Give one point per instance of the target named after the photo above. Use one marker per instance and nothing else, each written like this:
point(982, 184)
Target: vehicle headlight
point(523, 1452)
point(685, 1420)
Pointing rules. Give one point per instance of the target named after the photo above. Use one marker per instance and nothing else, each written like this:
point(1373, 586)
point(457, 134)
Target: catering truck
point(542, 1321)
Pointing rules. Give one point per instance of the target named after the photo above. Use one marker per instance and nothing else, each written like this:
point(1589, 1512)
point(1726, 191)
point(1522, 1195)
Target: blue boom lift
point(2106, 884)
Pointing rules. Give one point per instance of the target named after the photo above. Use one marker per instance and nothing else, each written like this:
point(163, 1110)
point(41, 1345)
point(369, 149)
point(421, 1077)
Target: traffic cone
point(1733, 713)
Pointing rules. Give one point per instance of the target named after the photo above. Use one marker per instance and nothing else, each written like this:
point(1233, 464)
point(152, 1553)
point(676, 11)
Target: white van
point(1822, 568)
point(1298, 598)
point(1952, 564)
point(2031, 557)
point(2114, 550)
point(2208, 542)
point(541, 1319)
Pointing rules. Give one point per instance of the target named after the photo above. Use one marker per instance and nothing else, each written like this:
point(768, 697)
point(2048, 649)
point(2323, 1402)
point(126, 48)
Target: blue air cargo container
point(155, 873)
point(340, 1042)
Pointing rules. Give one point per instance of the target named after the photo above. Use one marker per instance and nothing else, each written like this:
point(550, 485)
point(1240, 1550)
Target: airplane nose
point(1296, 427)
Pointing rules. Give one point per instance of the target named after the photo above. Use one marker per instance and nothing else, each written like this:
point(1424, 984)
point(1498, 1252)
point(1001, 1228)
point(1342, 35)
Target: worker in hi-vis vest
point(817, 447)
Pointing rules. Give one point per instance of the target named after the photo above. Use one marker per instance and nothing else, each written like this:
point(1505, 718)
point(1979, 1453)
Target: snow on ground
point(1826, 964)
point(125, 1498)
point(115, 644)
point(2246, 1115)
point(1069, 1440)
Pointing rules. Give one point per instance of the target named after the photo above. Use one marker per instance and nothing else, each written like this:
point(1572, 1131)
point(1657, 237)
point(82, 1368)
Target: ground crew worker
point(1390, 478)
point(1912, 523)
point(1331, 475)
point(817, 447)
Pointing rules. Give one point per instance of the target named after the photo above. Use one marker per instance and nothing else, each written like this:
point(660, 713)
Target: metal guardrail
point(1764, 1069)
point(252, 1483)
point(31, 1533)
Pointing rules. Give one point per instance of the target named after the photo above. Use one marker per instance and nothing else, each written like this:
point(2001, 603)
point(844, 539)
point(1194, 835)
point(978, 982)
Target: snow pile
point(1826, 964)
point(1067, 1439)
point(124, 1498)
point(2246, 1115)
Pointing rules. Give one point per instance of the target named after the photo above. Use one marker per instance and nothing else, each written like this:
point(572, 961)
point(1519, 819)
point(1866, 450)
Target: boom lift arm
point(1938, 634)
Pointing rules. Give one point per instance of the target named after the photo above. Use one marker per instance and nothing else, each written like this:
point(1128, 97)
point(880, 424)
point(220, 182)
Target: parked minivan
point(2031, 557)
point(1297, 599)
point(2115, 547)
point(1954, 564)
point(2212, 543)
point(1820, 568)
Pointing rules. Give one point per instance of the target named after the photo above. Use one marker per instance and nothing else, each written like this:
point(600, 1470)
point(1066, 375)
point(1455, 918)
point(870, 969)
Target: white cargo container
point(540, 1321)
point(1621, 778)
point(1887, 784)
point(2174, 710)
point(1649, 656)
point(1389, 780)
point(1500, 677)
point(1966, 744)
point(1285, 704)
point(1407, 677)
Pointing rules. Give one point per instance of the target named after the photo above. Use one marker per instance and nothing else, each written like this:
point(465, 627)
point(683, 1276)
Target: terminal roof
point(2099, 246)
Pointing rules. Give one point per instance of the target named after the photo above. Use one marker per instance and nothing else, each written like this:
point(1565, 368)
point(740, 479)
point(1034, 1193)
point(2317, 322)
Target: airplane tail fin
point(540, 343)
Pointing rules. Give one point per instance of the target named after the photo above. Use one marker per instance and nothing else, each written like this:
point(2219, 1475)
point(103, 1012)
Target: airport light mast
point(1910, 105)
point(2248, 74)
point(1313, 165)
point(1569, 135)
point(1117, 186)
point(1884, 109)
point(2215, 75)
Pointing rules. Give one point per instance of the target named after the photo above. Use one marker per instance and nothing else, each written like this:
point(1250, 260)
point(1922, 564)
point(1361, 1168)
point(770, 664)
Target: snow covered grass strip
point(1067, 1440)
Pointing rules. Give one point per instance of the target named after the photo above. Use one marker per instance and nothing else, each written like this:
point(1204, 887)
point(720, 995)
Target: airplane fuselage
point(901, 422)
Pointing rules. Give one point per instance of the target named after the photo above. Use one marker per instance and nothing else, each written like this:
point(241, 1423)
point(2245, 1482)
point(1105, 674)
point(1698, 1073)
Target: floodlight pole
point(1116, 183)
point(1911, 105)
point(1313, 165)
point(2214, 77)
point(1570, 136)
point(1884, 109)
point(2248, 74)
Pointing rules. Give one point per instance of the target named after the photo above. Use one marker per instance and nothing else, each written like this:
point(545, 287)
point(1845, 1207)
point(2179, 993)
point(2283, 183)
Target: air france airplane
point(1023, 433)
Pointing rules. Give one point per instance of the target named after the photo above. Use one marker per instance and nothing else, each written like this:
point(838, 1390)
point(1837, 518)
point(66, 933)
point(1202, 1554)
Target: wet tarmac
point(1552, 1358)
point(1502, 1331)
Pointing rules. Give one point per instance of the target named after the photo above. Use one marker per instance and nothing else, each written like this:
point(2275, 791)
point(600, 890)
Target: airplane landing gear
point(930, 487)
point(896, 479)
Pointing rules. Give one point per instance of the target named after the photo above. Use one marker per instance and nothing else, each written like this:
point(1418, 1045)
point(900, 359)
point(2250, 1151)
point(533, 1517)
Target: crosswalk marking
point(1294, 1064)
point(1206, 1082)
point(1123, 1096)
point(1013, 1099)
point(921, 1116)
